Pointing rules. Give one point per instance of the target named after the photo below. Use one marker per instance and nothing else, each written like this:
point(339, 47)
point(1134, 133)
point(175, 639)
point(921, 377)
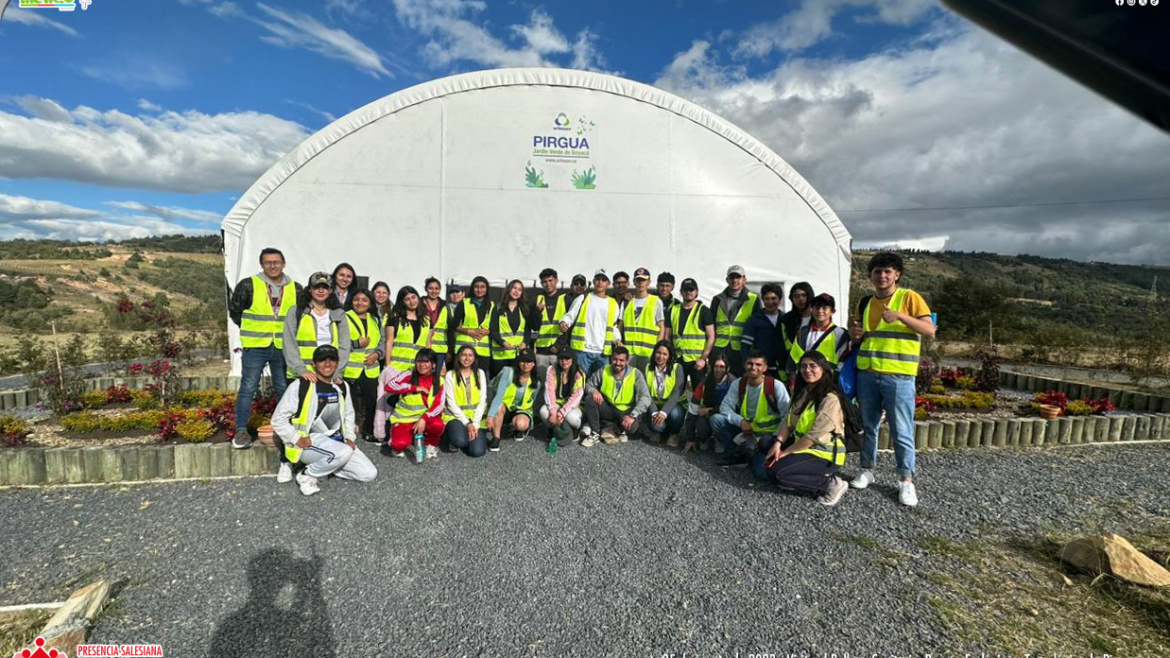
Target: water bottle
point(552, 445)
point(420, 452)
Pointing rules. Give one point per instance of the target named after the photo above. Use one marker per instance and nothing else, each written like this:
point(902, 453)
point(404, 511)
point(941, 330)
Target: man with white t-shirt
point(643, 322)
point(592, 320)
point(762, 330)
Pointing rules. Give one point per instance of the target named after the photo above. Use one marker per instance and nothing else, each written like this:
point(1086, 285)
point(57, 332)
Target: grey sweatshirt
point(292, 354)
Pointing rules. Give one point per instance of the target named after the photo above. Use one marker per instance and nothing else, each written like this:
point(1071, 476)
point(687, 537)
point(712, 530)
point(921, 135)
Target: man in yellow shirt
point(887, 333)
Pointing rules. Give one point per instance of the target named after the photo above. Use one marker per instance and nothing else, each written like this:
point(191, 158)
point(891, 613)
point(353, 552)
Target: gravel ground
point(627, 550)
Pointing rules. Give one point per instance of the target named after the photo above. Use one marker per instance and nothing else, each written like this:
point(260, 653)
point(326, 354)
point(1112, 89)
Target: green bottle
point(552, 445)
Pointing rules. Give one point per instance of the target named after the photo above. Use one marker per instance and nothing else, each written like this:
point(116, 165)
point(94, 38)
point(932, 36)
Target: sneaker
point(520, 436)
point(719, 449)
point(494, 444)
point(672, 442)
point(241, 441)
point(734, 459)
point(863, 479)
point(622, 438)
point(432, 452)
point(369, 438)
point(907, 494)
point(704, 446)
point(587, 438)
point(308, 484)
point(284, 474)
point(836, 491)
point(398, 453)
point(609, 439)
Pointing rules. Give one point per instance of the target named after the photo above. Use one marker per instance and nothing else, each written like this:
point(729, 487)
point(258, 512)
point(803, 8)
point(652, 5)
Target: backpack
point(769, 391)
point(854, 436)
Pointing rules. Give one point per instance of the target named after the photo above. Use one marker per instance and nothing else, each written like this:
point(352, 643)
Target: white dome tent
point(502, 173)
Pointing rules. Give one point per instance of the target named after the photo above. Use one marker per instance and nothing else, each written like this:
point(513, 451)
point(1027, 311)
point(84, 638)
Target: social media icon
point(1142, 2)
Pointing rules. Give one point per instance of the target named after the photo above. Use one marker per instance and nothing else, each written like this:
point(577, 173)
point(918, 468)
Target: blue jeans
point(458, 438)
point(894, 394)
point(672, 425)
point(253, 361)
point(726, 432)
point(589, 362)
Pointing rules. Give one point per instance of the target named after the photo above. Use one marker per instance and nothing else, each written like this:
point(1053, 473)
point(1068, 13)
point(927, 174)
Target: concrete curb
point(96, 464)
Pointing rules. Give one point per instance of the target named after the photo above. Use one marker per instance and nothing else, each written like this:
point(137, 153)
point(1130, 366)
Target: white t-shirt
point(594, 323)
point(639, 303)
point(324, 333)
point(773, 318)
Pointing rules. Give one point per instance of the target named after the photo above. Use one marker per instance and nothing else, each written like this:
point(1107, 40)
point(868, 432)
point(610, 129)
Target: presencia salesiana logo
point(59, 5)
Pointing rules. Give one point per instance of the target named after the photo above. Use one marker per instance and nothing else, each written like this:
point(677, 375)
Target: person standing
point(344, 279)
point(407, 330)
point(508, 330)
point(439, 317)
point(576, 289)
point(820, 335)
point(420, 406)
point(593, 319)
point(258, 306)
point(380, 307)
point(466, 392)
point(800, 295)
point(692, 332)
point(750, 412)
point(615, 394)
point(643, 322)
point(317, 320)
point(621, 291)
point(564, 385)
point(365, 357)
point(762, 331)
point(887, 335)
point(545, 320)
point(316, 421)
point(665, 380)
point(704, 404)
point(472, 320)
point(665, 292)
point(732, 309)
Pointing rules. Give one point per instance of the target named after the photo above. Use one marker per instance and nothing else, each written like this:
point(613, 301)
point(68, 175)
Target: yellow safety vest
point(259, 325)
point(834, 453)
point(578, 382)
point(509, 335)
point(891, 348)
point(690, 340)
point(828, 346)
point(410, 408)
point(307, 340)
point(301, 421)
point(640, 332)
point(473, 321)
point(357, 355)
point(439, 331)
point(624, 399)
point(407, 344)
point(660, 396)
point(550, 328)
point(528, 397)
point(577, 339)
point(764, 420)
point(467, 397)
point(730, 332)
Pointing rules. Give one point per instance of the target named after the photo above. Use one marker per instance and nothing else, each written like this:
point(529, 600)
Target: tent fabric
point(437, 180)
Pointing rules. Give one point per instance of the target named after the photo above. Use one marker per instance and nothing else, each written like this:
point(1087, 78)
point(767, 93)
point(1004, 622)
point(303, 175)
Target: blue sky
point(152, 117)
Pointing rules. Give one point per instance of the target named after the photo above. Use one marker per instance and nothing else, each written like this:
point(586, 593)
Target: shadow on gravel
point(285, 612)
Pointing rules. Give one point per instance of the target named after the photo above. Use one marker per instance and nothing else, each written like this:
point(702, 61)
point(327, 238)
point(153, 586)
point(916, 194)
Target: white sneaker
point(285, 473)
point(622, 438)
point(587, 438)
point(836, 491)
point(863, 479)
point(907, 495)
point(398, 453)
point(432, 452)
point(308, 484)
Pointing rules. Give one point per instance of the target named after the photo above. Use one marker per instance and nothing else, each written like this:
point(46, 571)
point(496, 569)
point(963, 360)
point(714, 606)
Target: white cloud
point(328, 116)
point(144, 104)
point(960, 119)
point(137, 72)
point(297, 30)
point(32, 17)
point(24, 208)
point(170, 213)
point(97, 231)
point(43, 108)
point(226, 10)
point(180, 152)
point(812, 22)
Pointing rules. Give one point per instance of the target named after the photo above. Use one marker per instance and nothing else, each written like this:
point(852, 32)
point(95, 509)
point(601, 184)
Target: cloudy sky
point(131, 119)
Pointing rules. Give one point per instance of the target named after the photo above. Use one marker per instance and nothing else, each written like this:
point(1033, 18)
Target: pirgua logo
point(40, 651)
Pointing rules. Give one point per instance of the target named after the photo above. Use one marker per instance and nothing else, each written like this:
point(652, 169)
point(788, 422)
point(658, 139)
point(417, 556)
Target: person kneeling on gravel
point(315, 421)
point(751, 412)
point(810, 448)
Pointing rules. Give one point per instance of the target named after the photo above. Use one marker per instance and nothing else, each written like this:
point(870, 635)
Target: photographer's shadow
point(284, 615)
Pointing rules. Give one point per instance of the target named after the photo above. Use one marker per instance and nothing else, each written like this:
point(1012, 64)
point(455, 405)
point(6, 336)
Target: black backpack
point(854, 436)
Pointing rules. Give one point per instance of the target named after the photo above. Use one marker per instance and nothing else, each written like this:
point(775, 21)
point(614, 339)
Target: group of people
point(607, 364)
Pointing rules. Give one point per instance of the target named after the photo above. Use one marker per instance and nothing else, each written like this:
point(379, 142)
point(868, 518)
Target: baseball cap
point(325, 353)
point(736, 269)
point(320, 279)
point(454, 287)
point(641, 273)
point(823, 299)
point(526, 356)
point(579, 280)
point(666, 277)
point(566, 354)
point(600, 274)
point(689, 284)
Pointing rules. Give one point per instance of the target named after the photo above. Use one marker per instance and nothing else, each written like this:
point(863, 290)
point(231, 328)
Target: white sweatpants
point(328, 457)
point(573, 417)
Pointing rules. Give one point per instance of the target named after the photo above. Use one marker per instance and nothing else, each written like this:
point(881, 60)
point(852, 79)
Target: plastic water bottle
point(552, 445)
point(420, 452)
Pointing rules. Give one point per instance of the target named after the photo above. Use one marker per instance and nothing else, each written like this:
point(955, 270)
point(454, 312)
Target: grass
point(19, 631)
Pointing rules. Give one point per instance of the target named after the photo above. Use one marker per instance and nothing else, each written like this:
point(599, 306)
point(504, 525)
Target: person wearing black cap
point(576, 289)
point(593, 321)
point(315, 423)
point(318, 320)
point(666, 291)
point(643, 322)
point(820, 335)
point(732, 309)
point(517, 391)
point(564, 385)
point(692, 331)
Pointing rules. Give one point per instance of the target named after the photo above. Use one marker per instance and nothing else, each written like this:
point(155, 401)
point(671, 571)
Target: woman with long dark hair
point(800, 295)
point(381, 305)
point(564, 384)
point(344, 281)
point(509, 327)
point(471, 322)
point(704, 404)
point(420, 406)
point(437, 313)
point(810, 448)
point(407, 330)
point(318, 320)
point(514, 403)
point(466, 393)
point(664, 377)
point(365, 356)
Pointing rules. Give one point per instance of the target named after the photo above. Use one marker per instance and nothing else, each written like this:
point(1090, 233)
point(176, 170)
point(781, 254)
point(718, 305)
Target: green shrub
point(13, 431)
point(208, 398)
point(195, 430)
point(81, 423)
point(143, 399)
point(94, 399)
point(966, 400)
point(1078, 408)
point(966, 383)
point(88, 423)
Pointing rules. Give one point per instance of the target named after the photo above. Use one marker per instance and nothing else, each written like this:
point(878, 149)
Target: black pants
point(697, 429)
point(367, 388)
point(803, 472)
point(499, 364)
point(596, 413)
point(694, 376)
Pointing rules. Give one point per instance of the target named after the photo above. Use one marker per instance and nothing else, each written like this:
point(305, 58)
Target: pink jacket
point(550, 393)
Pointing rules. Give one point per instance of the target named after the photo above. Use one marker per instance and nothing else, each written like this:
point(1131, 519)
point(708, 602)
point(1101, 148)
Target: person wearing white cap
point(593, 321)
point(732, 309)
